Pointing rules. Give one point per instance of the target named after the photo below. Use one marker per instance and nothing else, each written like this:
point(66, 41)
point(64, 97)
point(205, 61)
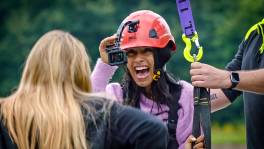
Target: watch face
point(235, 77)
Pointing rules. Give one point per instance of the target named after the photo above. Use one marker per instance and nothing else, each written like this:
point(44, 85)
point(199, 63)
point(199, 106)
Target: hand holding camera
point(109, 48)
point(104, 45)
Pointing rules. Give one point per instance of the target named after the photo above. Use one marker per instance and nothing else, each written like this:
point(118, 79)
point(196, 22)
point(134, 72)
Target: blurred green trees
point(221, 26)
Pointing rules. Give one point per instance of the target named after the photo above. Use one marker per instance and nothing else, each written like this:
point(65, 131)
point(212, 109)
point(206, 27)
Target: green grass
point(228, 134)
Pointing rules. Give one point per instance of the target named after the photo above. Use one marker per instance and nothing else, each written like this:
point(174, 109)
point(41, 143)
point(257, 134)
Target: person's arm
point(204, 75)
point(185, 114)
point(251, 81)
point(218, 100)
point(103, 72)
point(101, 75)
point(131, 127)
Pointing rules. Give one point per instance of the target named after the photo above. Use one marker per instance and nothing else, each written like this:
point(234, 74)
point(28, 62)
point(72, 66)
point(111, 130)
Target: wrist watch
point(234, 77)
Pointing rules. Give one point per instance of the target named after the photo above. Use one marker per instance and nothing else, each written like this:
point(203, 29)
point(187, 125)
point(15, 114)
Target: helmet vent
point(153, 33)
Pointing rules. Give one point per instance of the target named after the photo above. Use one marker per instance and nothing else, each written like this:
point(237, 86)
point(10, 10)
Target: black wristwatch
point(234, 77)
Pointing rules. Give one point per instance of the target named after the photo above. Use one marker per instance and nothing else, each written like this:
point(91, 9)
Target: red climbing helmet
point(152, 31)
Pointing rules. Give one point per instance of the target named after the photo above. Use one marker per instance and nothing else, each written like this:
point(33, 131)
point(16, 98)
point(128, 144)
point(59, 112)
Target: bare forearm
point(251, 81)
point(204, 75)
point(218, 100)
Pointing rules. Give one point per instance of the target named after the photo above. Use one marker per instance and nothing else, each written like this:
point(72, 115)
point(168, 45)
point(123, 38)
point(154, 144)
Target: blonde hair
point(45, 111)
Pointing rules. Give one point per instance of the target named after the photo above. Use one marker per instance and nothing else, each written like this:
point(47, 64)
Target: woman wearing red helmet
point(146, 84)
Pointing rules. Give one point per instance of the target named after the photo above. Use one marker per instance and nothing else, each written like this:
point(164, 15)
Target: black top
point(122, 127)
point(248, 57)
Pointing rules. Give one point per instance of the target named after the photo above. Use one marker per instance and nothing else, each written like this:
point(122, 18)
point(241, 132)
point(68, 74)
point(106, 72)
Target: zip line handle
point(188, 47)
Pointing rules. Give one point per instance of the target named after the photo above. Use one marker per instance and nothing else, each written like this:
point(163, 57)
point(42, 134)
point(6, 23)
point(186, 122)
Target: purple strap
point(201, 96)
point(186, 18)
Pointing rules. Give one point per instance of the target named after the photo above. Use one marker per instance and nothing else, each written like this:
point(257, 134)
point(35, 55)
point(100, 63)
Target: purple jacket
point(103, 73)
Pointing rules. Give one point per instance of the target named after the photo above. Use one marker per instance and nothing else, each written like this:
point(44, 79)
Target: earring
point(156, 75)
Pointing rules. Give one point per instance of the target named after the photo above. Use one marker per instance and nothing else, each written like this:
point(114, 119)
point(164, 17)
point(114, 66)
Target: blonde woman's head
point(58, 59)
point(46, 109)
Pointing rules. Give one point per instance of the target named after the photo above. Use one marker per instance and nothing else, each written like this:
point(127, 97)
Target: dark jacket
point(118, 127)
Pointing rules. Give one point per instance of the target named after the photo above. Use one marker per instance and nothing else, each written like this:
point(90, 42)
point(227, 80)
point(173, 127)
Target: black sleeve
point(234, 65)
point(132, 128)
point(236, 62)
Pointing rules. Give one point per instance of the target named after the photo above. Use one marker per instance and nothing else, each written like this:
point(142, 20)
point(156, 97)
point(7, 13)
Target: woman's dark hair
point(161, 90)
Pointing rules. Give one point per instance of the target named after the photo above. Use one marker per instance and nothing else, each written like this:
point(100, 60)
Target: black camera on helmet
point(116, 56)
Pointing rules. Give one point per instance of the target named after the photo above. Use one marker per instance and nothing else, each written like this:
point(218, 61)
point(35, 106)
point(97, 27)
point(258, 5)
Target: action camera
point(116, 56)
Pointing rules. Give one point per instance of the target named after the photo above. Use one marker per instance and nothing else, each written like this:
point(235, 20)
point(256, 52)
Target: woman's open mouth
point(142, 72)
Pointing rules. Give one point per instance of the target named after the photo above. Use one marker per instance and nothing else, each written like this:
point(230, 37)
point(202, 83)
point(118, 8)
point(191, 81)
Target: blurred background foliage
point(221, 26)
